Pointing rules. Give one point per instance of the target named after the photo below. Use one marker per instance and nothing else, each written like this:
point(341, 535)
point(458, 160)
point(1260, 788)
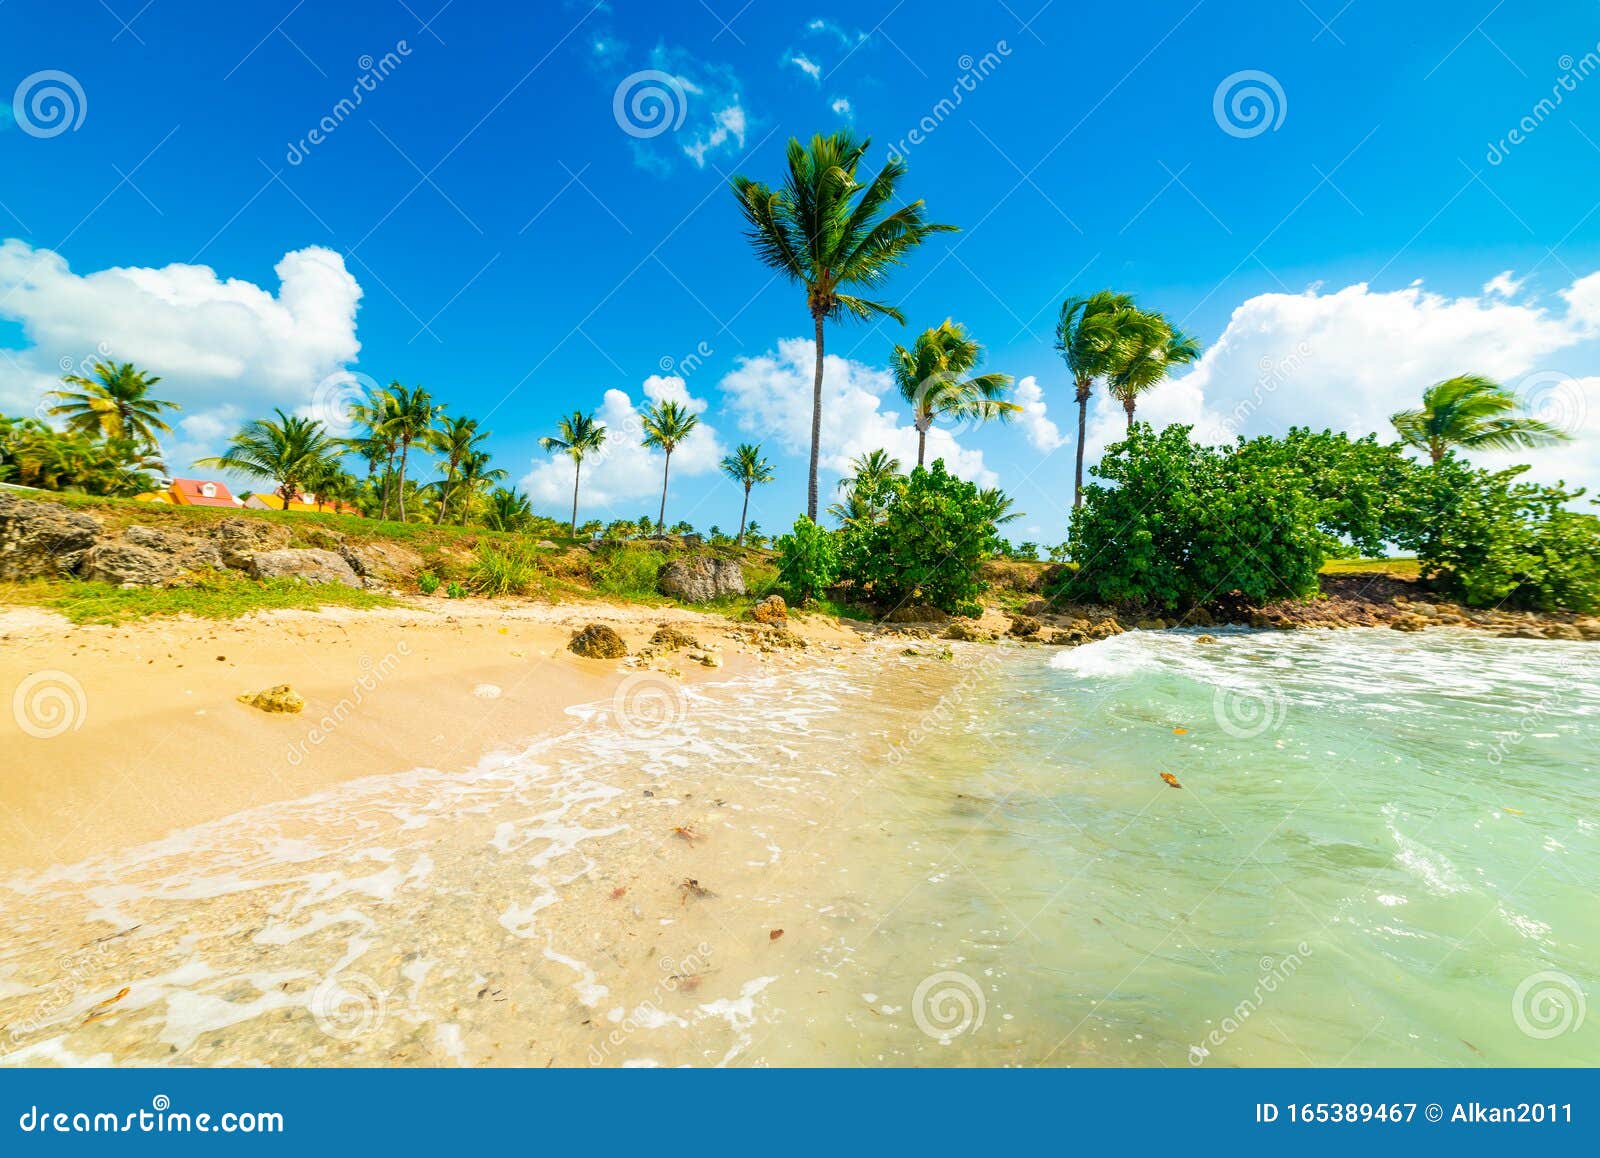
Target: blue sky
point(520, 252)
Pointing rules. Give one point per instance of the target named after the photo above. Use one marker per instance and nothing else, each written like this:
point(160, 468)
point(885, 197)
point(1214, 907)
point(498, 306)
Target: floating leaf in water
point(693, 888)
point(1180, 731)
point(1513, 811)
point(686, 832)
point(104, 1008)
point(775, 934)
point(1171, 780)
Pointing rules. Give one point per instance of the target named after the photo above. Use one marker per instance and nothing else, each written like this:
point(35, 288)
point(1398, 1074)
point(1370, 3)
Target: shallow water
point(1384, 851)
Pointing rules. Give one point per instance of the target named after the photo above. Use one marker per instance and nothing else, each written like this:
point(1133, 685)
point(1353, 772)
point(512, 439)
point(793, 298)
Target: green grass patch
point(218, 597)
point(1405, 568)
point(630, 573)
point(510, 568)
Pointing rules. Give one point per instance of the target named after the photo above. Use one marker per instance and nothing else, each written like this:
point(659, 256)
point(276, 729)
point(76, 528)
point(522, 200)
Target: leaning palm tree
point(456, 439)
point(666, 424)
point(575, 437)
point(830, 234)
point(931, 377)
point(1473, 412)
point(115, 403)
point(998, 504)
point(746, 467)
point(1151, 353)
point(409, 418)
point(290, 452)
point(1093, 335)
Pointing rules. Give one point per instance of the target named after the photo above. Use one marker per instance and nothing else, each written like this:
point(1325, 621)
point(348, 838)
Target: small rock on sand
point(281, 698)
point(597, 641)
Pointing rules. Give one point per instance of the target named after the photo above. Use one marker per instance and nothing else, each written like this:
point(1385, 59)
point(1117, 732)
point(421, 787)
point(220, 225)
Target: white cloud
point(220, 346)
point(624, 471)
point(1348, 359)
point(1042, 432)
point(727, 124)
point(771, 394)
point(842, 107)
point(1503, 284)
point(805, 64)
point(846, 38)
point(710, 99)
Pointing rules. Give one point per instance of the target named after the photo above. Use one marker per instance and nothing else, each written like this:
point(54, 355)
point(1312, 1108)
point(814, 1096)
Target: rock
point(916, 613)
point(1036, 607)
point(1070, 637)
point(282, 698)
point(1409, 622)
point(305, 564)
point(780, 637)
point(238, 539)
point(967, 631)
point(1023, 626)
point(1527, 633)
point(1151, 625)
point(772, 609)
point(387, 562)
point(669, 638)
point(41, 540)
point(1205, 639)
point(1562, 631)
point(191, 552)
point(700, 579)
point(125, 563)
point(547, 545)
point(707, 659)
point(1588, 627)
point(597, 641)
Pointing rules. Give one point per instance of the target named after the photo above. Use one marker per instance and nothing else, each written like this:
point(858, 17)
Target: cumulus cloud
point(771, 394)
point(1503, 284)
point(841, 105)
point(1042, 432)
point(221, 346)
point(709, 96)
point(1350, 358)
point(623, 470)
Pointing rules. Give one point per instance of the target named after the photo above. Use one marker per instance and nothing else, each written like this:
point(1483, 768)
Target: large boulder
point(306, 564)
point(597, 641)
point(700, 579)
point(128, 564)
point(240, 538)
point(386, 562)
point(190, 552)
point(41, 540)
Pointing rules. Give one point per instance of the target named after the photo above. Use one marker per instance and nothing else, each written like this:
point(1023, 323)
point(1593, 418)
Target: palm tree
point(999, 505)
point(114, 404)
point(830, 234)
point(1151, 353)
point(867, 490)
point(381, 443)
point(456, 439)
point(666, 424)
point(1472, 412)
point(746, 467)
point(930, 378)
point(1092, 337)
point(575, 437)
point(475, 475)
point(289, 452)
point(410, 412)
point(508, 510)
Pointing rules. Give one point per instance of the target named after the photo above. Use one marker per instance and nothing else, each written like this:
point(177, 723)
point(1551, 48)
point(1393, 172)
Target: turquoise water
point(1384, 852)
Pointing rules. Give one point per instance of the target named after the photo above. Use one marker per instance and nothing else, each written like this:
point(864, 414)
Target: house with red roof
point(193, 492)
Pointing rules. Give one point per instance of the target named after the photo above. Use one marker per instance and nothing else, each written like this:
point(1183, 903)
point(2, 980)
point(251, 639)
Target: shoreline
point(121, 735)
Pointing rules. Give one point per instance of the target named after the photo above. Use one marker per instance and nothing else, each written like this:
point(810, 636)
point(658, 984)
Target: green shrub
point(428, 582)
point(808, 560)
point(508, 568)
point(935, 534)
point(629, 571)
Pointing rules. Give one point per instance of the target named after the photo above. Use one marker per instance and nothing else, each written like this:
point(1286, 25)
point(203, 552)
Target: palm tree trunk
point(743, 511)
point(816, 425)
point(444, 498)
point(388, 478)
point(922, 442)
point(405, 450)
point(577, 471)
point(661, 519)
point(1083, 423)
point(288, 488)
point(1127, 404)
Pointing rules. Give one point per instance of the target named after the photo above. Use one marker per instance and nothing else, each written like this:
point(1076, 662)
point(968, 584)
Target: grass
point(630, 573)
point(506, 569)
point(219, 597)
point(1405, 568)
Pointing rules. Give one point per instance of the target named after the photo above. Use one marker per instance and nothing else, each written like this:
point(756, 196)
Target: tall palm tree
point(666, 424)
point(1151, 353)
point(410, 415)
point(930, 378)
point(867, 490)
point(455, 439)
point(115, 403)
point(381, 443)
point(575, 437)
point(1472, 412)
point(831, 235)
point(746, 467)
point(1092, 336)
point(290, 452)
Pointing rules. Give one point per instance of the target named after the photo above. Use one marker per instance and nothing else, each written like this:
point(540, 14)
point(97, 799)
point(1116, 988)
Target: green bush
point(808, 560)
point(455, 591)
point(428, 582)
point(507, 568)
point(629, 571)
point(935, 534)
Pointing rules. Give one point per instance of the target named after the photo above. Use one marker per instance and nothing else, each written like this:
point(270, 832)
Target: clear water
point(1384, 851)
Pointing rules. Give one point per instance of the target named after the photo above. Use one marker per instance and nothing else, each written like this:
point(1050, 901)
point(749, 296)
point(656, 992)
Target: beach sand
point(119, 735)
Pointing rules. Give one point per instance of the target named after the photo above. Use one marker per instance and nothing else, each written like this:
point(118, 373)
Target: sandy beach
point(119, 735)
